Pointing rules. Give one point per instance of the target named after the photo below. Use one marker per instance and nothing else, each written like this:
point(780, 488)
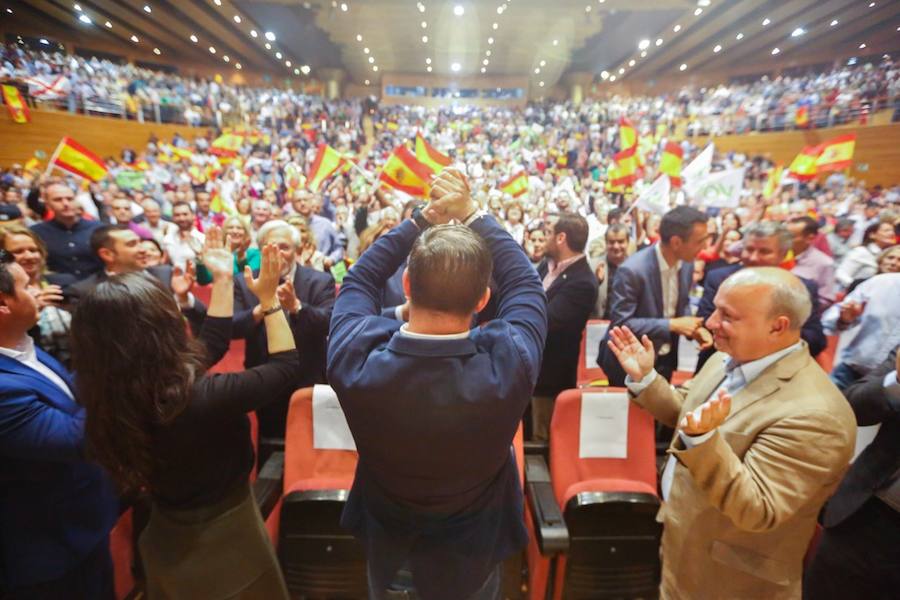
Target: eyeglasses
point(6, 257)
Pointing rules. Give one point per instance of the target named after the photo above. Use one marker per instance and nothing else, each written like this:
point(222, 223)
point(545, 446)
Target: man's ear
point(406, 287)
point(780, 325)
point(4, 307)
point(106, 255)
point(485, 298)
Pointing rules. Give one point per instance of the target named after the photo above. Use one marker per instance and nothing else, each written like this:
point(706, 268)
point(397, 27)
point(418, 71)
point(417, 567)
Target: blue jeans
point(403, 589)
point(843, 375)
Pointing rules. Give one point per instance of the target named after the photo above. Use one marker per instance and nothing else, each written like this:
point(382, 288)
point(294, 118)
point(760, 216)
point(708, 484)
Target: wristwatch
point(271, 311)
point(421, 222)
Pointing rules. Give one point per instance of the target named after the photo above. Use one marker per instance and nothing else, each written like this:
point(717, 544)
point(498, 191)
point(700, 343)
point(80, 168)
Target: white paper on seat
point(593, 336)
point(604, 426)
point(688, 353)
point(865, 434)
point(330, 429)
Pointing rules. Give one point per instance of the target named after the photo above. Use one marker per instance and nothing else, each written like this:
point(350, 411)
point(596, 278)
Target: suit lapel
point(46, 389)
point(705, 383)
point(564, 276)
point(656, 294)
point(770, 380)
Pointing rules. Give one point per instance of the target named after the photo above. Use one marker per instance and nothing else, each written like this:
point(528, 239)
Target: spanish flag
point(15, 104)
point(76, 159)
point(802, 117)
point(612, 176)
point(773, 181)
point(670, 163)
point(627, 166)
point(182, 153)
point(837, 153)
point(627, 134)
point(804, 166)
point(33, 164)
point(430, 157)
point(516, 185)
point(327, 162)
point(403, 172)
point(227, 144)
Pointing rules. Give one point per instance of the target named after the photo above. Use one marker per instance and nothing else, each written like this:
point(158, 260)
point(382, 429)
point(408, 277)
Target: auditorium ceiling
point(624, 40)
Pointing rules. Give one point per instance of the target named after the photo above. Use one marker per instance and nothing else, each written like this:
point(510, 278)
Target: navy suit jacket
point(812, 332)
point(636, 300)
point(433, 419)
point(54, 507)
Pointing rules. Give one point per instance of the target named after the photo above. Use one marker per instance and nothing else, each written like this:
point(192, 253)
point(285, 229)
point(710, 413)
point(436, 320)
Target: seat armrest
point(549, 525)
point(268, 485)
point(534, 448)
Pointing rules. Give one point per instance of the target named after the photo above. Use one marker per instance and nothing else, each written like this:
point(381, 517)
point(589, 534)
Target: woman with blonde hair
point(308, 254)
point(237, 241)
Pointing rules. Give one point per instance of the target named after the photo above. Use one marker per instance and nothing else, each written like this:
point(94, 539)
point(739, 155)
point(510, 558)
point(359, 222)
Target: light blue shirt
point(327, 241)
point(877, 331)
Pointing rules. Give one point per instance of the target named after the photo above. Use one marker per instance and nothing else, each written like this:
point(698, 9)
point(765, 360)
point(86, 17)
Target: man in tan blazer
point(763, 438)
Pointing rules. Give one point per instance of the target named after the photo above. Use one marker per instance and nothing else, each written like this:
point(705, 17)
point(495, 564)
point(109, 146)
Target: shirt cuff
point(695, 440)
point(890, 379)
point(637, 387)
point(472, 218)
point(191, 301)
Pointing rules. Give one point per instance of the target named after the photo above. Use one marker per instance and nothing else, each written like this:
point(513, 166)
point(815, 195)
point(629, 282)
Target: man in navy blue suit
point(56, 510)
point(434, 405)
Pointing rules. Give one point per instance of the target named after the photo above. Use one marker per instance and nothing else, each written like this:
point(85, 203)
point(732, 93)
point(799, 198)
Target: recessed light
point(541, 84)
point(659, 42)
point(644, 54)
point(490, 41)
point(556, 42)
point(717, 48)
point(587, 8)
point(776, 51)
point(643, 44)
point(268, 46)
point(676, 29)
point(288, 64)
point(194, 38)
point(77, 7)
point(156, 51)
point(375, 68)
point(371, 60)
point(739, 37)
point(270, 36)
point(424, 39)
point(147, 9)
point(621, 71)
point(631, 62)
point(429, 69)
point(683, 67)
point(871, 5)
point(358, 37)
point(485, 62)
point(543, 63)
point(766, 21)
point(427, 61)
point(365, 50)
point(85, 19)
point(487, 52)
point(344, 7)
point(612, 77)
point(135, 39)
point(604, 75)
point(455, 67)
point(226, 58)
point(833, 23)
point(304, 69)
point(253, 33)
point(212, 50)
point(296, 71)
point(698, 12)
point(237, 18)
point(367, 82)
point(108, 24)
point(238, 66)
point(702, 2)
point(495, 26)
point(862, 46)
point(278, 55)
point(420, 6)
point(424, 24)
point(798, 32)
point(217, 2)
point(458, 10)
point(537, 71)
point(484, 69)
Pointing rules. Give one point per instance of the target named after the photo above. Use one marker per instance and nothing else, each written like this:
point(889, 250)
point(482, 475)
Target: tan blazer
point(743, 505)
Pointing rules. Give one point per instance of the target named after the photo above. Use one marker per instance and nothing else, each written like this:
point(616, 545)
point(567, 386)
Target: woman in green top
point(237, 240)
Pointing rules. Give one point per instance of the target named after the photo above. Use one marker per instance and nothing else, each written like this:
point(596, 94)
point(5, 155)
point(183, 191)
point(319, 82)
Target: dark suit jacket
point(812, 331)
point(55, 507)
point(433, 419)
point(872, 403)
point(570, 301)
point(637, 301)
point(315, 290)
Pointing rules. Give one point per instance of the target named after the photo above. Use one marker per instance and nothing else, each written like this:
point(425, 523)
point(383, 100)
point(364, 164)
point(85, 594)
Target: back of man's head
point(102, 237)
point(576, 229)
point(449, 270)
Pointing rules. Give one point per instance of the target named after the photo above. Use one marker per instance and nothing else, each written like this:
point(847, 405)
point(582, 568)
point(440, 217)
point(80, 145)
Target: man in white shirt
point(763, 439)
point(185, 244)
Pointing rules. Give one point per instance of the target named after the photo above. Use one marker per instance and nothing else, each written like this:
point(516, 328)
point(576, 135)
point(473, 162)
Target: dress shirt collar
point(290, 274)
point(404, 331)
point(23, 351)
point(557, 268)
point(751, 370)
point(663, 265)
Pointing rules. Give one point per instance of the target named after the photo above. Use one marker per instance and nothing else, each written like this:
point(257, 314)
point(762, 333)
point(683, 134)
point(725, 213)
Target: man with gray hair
point(763, 439)
point(307, 296)
point(765, 244)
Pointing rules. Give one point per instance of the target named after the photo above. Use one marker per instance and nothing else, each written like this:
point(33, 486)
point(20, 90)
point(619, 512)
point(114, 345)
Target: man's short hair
point(771, 229)
point(789, 296)
point(615, 215)
point(617, 228)
point(102, 236)
point(680, 221)
point(7, 282)
point(576, 229)
point(266, 230)
point(178, 203)
point(810, 225)
point(844, 223)
point(449, 269)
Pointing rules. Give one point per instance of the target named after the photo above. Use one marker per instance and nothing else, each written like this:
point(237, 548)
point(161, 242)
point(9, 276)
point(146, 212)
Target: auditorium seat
point(610, 548)
point(589, 374)
point(121, 548)
point(825, 358)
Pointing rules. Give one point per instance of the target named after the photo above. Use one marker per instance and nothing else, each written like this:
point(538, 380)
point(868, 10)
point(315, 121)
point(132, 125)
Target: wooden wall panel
point(104, 136)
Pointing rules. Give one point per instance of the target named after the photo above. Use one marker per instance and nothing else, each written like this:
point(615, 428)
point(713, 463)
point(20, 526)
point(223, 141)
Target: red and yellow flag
point(804, 166)
point(430, 157)
point(516, 185)
point(403, 172)
point(15, 104)
point(626, 168)
point(184, 153)
point(802, 117)
point(627, 134)
point(327, 162)
point(837, 153)
point(773, 181)
point(670, 163)
point(227, 144)
point(76, 159)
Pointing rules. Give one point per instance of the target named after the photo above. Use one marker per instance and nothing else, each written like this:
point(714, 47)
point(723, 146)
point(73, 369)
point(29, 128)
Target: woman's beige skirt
point(212, 553)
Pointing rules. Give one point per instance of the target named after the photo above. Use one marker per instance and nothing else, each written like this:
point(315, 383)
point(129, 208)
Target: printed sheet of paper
point(330, 429)
point(604, 426)
point(593, 336)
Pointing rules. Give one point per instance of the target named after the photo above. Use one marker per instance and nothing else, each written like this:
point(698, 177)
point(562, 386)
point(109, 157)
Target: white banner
point(721, 189)
point(699, 168)
point(48, 87)
point(656, 197)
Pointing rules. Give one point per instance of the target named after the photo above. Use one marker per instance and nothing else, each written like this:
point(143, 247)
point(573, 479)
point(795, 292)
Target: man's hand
point(686, 326)
point(49, 295)
point(288, 298)
point(600, 272)
point(183, 280)
point(636, 357)
point(450, 198)
point(217, 259)
point(703, 337)
point(712, 414)
point(264, 286)
point(851, 311)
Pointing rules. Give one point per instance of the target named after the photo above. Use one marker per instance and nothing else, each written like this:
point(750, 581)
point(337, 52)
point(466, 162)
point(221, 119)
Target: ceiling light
point(194, 38)
point(287, 63)
point(621, 71)
point(305, 69)
point(238, 66)
point(253, 33)
point(702, 2)
point(739, 37)
point(698, 12)
point(270, 36)
point(375, 68)
point(766, 21)
point(644, 54)
point(776, 51)
point(427, 61)
point(543, 63)
point(424, 24)
point(371, 60)
point(135, 39)
point(84, 19)
point(862, 46)
point(108, 24)
point(683, 67)
point(541, 84)
point(677, 28)
point(500, 9)
point(226, 58)
point(798, 32)
point(587, 8)
point(833, 23)
point(488, 53)
point(156, 51)
point(429, 69)
point(147, 9)
point(717, 48)
point(278, 55)
point(424, 39)
point(268, 46)
point(659, 42)
point(420, 6)
point(871, 5)
point(644, 44)
point(43, 41)
point(365, 50)
point(455, 67)
point(458, 10)
point(537, 71)
point(237, 18)
point(296, 71)
point(358, 37)
point(485, 62)
point(218, 2)
point(484, 69)
point(612, 78)
point(367, 82)
point(495, 26)
point(212, 50)
point(490, 41)
point(77, 7)
point(344, 7)
point(604, 75)
point(631, 62)
point(556, 42)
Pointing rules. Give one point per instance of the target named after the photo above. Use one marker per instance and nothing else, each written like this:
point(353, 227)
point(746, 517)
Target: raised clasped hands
point(217, 259)
point(636, 356)
point(708, 416)
point(265, 285)
point(450, 198)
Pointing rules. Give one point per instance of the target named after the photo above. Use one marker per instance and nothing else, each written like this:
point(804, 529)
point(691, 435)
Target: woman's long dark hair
point(135, 366)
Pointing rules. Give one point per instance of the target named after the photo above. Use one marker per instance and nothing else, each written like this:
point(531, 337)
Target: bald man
point(762, 440)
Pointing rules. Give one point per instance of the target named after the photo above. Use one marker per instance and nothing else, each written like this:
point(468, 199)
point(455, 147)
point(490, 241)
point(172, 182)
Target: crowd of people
point(100, 277)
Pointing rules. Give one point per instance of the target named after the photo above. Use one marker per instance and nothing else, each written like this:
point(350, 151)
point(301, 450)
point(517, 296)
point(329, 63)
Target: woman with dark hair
point(862, 261)
point(161, 424)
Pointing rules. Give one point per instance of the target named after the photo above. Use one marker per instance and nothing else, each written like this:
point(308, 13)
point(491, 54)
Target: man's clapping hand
point(636, 356)
point(712, 414)
point(450, 198)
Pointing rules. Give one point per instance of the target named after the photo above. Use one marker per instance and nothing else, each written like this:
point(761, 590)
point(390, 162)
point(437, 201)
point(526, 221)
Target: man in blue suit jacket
point(434, 406)
point(56, 510)
point(650, 293)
